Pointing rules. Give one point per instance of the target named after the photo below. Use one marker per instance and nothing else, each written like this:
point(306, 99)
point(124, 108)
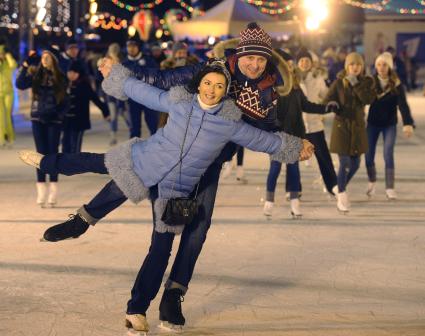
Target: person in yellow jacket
point(7, 66)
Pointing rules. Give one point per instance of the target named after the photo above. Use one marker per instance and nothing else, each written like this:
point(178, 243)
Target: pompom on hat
point(254, 41)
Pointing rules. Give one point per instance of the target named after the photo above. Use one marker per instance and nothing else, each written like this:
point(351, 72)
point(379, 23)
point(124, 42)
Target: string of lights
point(108, 21)
point(378, 6)
point(273, 7)
point(9, 12)
point(152, 4)
point(269, 4)
point(131, 8)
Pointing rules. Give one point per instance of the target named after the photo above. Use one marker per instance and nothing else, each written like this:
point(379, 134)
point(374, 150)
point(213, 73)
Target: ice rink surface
point(326, 274)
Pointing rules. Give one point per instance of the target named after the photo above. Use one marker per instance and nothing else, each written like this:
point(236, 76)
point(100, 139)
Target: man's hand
point(105, 66)
point(307, 151)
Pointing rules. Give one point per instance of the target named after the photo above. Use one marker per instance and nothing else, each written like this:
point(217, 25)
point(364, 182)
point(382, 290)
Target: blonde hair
point(353, 58)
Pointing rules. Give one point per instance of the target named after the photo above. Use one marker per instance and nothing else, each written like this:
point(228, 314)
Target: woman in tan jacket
point(352, 90)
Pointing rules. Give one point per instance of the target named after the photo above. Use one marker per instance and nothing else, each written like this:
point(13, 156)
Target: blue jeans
point(151, 118)
point(72, 141)
point(389, 134)
point(239, 156)
point(324, 159)
point(46, 138)
point(348, 166)
point(150, 276)
point(117, 108)
point(293, 179)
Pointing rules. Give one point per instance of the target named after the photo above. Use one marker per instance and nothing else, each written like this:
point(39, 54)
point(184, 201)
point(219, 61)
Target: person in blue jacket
point(134, 59)
point(258, 77)
point(200, 124)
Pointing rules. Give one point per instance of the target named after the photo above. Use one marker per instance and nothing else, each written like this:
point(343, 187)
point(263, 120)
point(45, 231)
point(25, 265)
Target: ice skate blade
point(294, 216)
point(132, 332)
point(343, 212)
point(42, 240)
point(169, 327)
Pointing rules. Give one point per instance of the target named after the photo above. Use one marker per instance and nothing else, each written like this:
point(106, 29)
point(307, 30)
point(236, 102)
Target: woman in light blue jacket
point(200, 123)
point(203, 121)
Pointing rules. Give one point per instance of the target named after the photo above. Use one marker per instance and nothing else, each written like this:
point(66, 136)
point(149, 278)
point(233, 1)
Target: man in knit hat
point(180, 57)
point(255, 87)
point(135, 59)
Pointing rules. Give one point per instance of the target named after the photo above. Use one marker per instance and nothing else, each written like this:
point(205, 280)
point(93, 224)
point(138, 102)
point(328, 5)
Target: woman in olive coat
point(352, 90)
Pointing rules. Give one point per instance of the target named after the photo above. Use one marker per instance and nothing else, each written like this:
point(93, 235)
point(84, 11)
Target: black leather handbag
point(182, 210)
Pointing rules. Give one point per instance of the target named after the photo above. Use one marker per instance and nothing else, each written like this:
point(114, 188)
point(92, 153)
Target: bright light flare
point(317, 11)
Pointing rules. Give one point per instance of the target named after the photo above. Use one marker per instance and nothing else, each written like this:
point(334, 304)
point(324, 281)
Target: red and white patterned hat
point(254, 41)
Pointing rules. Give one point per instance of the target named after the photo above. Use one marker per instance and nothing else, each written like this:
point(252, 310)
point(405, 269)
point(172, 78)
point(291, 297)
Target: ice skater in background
point(352, 90)
point(382, 118)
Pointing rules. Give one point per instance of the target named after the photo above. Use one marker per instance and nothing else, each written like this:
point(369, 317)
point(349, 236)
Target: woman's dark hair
point(193, 85)
point(41, 78)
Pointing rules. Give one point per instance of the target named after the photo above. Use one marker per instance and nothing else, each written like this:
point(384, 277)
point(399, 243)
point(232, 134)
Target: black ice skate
point(74, 227)
point(170, 310)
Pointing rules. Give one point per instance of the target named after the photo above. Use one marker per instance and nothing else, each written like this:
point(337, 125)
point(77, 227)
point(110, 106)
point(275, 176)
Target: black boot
point(170, 308)
point(72, 228)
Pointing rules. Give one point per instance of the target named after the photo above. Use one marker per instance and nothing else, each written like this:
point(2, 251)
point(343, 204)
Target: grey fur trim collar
point(279, 62)
point(179, 94)
point(119, 163)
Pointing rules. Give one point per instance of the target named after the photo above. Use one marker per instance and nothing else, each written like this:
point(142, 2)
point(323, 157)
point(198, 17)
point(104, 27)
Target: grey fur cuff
point(119, 163)
point(230, 111)
point(113, 85)
point(160, 226)
point(289, 150)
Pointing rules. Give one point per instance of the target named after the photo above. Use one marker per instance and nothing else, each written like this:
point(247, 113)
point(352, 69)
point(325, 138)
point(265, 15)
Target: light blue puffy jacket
point(139, 164)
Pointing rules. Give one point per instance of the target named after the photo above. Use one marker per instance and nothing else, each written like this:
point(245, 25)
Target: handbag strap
point(182, 149)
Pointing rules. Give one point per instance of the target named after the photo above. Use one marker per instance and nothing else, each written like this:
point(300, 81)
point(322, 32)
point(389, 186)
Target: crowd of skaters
point(76, 80)
point(55, 79)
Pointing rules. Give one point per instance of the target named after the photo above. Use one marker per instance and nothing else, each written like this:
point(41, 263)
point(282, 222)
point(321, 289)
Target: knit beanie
point(387, 58)
point(179, 46)
point(254, 41)
point(353, 58)
point(133, 40)
point(53, 51)
point(303, 52)
point(77, 66)
point(71, 43)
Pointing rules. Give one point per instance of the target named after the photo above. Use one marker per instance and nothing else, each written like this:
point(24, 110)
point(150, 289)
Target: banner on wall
point(413, 43)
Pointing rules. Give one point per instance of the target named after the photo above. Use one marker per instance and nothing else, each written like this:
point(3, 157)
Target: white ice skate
point(391, 194)
point(169, 327)
point(227, 169)
point(342, 203)
point(137, 324)
point(295, 209)
point(371, 188)
point(268, 208)
point(30, 157)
